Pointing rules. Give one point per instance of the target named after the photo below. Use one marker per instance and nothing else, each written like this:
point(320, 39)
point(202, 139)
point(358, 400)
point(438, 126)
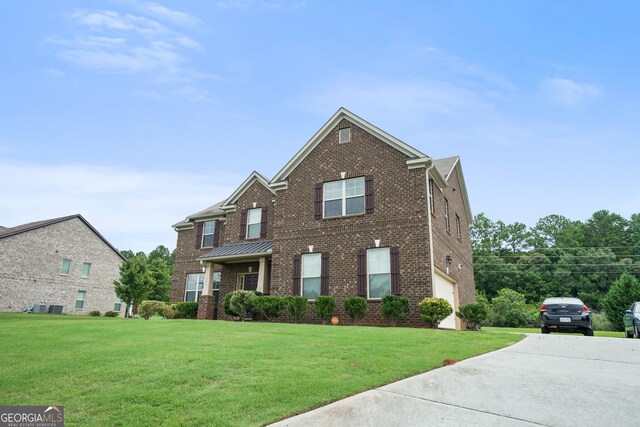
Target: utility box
point(55, 309)
point(40, 308)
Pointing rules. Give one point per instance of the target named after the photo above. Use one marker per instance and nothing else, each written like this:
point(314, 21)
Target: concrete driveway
point(550, 380)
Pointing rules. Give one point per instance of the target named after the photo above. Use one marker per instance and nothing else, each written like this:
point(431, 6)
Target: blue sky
point(136, 114)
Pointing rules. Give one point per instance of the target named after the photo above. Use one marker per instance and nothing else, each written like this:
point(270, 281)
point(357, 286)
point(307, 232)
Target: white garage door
point(445, 289)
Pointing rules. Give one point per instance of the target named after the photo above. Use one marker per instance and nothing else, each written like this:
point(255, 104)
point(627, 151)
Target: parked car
point(632, 321)
point(562, 314)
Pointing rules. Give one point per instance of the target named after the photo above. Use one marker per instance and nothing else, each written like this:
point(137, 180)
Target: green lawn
point(609, 334)
point(122, 372)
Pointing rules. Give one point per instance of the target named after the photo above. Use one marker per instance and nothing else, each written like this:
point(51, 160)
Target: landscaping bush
point(111, 314)
point(325, 307)
point(149, 308)
point(394, 308)
point(297, 307)
point(169, 312)
point(434, 310)
point(509, 309)
point(227, 307)
point(623, 292)
point(473, 314)
point(601, 322)
point(241, 302)
point(269, 307)
point(186, 310)
point(94, 313)
point(356, 308)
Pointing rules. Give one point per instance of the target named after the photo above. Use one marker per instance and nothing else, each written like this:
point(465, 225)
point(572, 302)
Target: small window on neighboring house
point(458, 227)
point(80, 299)
point(379, 272)
point(447, 225)
point(431, 207)
point(195, 284)
point(311, 269)
point(117, 305)
point(217, 276)
point(66, 266)
point(344, 135)
point(86, 268)
point(344, 197)
point(254, 219)
point(208, 231)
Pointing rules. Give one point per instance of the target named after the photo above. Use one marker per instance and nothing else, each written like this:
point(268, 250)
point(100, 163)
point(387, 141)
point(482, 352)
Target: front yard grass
point(120, 372)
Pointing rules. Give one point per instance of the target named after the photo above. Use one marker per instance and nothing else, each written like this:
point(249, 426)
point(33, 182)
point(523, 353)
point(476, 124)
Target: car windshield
point(637, 309)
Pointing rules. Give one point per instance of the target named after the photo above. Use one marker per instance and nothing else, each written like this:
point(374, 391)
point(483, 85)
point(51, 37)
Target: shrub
point(186, 310)
point(269, 307)
point(624, 292)
point(94, 313)
point(169, 312)
point(473, 314)
point(227, 307)
point(150, 308)
point(356, 308)
point(297, 307)
point(111, 314)
point(325, 307)
point(509, 309)
point(434, 310)
point(241, 302)
point(394, 308)
point(601, 322)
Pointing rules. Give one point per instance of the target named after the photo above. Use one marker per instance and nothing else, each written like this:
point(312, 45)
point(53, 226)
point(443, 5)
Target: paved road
point(550, 380)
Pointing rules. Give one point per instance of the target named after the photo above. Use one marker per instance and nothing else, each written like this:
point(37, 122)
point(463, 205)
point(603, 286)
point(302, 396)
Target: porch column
point(261, 273)
point(205, 301)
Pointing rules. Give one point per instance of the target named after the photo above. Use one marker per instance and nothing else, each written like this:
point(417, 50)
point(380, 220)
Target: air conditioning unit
point(40, 308)
point(55, 309)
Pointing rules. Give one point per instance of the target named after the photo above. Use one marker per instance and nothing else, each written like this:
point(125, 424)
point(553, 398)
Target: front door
point(250, 282)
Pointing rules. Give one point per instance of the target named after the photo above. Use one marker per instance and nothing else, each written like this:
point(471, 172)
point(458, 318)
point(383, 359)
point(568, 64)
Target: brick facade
point(30, 268)
point(399, 219)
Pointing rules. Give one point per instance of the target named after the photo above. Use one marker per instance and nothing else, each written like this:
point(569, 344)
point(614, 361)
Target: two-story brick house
point(354, 212)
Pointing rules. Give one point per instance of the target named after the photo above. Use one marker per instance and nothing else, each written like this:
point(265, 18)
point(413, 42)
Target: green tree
point(624, 292)
point(162, 252)
point(485, 235)
point(161, 280)
point(135, 281)
point(514, 237)
point(509, 309)
point(554, 231)
point(493, 273)
point(607, 230)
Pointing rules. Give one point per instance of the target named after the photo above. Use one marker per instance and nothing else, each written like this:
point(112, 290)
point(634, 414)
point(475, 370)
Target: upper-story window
point(447, 225)
point(344, 197)
point(431, 207)
point(86, 269)
point(254, 219)
point(344, 135)
point(66, 266)
point(208, 231)
point(458, 227)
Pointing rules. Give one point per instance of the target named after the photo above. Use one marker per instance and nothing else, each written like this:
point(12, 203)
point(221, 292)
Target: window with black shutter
point(216, 234)
point(263, 223)
point(362, 272)
point(243, 225)
point(368, 193)
point(395, 270)
point(199, 228)
point(324, 274)
point(295, 289)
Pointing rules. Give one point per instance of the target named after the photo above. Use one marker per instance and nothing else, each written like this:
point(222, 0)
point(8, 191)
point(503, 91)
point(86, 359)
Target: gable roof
point(416, 157)
point(6, 232)
point(229, 204)
point(445, 167)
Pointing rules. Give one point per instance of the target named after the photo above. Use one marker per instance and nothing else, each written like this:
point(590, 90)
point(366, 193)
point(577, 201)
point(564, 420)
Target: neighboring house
point(58, 262)
point(354, 212)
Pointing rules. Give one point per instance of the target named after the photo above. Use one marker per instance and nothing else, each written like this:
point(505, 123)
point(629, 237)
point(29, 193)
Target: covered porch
point(244, 266)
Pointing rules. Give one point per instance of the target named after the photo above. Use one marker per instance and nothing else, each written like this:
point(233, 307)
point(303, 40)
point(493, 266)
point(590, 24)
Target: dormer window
point(344, 135)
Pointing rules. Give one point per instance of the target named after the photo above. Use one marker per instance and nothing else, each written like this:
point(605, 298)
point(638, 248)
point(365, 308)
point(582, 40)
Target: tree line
point(556, 257)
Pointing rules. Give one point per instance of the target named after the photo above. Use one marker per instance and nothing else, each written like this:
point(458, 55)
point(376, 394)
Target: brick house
point(354, 212)
point(61, 261)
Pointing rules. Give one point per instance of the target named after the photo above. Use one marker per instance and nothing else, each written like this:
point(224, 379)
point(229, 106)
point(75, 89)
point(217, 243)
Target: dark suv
point(565, 315)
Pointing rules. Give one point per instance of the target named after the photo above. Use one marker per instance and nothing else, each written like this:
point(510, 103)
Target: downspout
point(429, 208)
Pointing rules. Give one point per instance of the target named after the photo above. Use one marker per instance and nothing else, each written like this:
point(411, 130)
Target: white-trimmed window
point(447, 225)
point(431, 196)
point(66, 267)
point(80, 296)
point(86, 269)
point(254, 220)
point(344, 197)
point(344, 135)
point(458, 227)
point(195, 284)
point(311, 271)
point(217, 276)
point(378, 272)
point(208, 230)
point(117, 305)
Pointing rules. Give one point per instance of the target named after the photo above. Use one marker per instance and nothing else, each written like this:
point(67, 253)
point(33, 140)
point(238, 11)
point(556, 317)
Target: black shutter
point(324, 274)
point(243, 225)
point(395, 270)
point(263, 223)
point(362, 272)
point(318, 201)
point(216, 233)
point(368, 193)
point(199, 227)
point(296, 275)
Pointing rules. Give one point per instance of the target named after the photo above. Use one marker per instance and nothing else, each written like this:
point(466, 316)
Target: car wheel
point(588, 332)
point(544, 330)
point(637, 329)
point(628, 334)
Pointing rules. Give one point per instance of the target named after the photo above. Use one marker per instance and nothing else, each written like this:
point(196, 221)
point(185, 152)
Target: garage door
point(445, 289)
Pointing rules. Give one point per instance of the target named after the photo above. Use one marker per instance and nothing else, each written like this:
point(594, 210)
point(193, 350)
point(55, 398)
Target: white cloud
point(166, 14)
point(132, 209)
point(567, 92)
